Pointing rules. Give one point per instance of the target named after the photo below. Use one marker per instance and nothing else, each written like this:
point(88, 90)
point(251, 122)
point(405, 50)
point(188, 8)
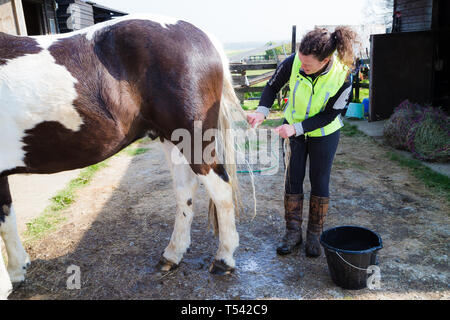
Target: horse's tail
point(231, 117)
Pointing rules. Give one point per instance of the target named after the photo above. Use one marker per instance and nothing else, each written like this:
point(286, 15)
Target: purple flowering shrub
point(429, 138)
point(397, 127)
point(424, 131)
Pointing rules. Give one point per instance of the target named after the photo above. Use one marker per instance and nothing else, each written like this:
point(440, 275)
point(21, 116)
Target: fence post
point(357, 85)
point(294, 38)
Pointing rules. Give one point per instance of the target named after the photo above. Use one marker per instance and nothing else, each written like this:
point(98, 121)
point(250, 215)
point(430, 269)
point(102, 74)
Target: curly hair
point(322, 44)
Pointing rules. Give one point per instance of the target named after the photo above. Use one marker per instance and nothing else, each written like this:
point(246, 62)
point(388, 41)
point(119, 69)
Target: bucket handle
point(349, 262)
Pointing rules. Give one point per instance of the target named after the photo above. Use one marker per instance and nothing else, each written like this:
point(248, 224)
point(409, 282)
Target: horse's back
point(71, 100)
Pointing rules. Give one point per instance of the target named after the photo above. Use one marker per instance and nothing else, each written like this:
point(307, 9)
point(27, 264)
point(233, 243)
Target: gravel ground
point(122, 221)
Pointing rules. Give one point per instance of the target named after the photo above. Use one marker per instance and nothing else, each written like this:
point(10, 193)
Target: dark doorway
point(33, 12)
point(401, 68)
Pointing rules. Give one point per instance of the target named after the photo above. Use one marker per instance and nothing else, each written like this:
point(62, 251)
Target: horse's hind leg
point(185, 184)
point(18, 259)
point(220, 190)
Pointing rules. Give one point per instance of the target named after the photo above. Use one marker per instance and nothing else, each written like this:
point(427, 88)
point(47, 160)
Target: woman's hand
point(255, 119)
point(285, 131)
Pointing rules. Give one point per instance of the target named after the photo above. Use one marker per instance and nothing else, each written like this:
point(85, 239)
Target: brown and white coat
point(72, 100)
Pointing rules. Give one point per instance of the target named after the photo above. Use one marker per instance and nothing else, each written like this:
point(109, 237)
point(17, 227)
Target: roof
point(98, 6)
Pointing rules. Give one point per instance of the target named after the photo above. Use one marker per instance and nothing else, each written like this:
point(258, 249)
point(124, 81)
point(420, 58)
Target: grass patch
point(132, 150)
point(258, 72)
point(66, 197)
point(363, 93)
point(436, 182)
point(42, 224)
point(135, 151)
point(250, 104)
point(351, 130)
point(51, 216)
point(253, 104)
point(272, 122)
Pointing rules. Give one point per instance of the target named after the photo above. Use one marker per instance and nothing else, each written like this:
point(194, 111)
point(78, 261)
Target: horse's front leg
point(18, 259)
point(5, 283)
point(185, 184)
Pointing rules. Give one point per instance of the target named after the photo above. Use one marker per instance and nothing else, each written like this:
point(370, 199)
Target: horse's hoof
point(219, 267)
point(165, 265)
point(17, 276)
point(17, 273)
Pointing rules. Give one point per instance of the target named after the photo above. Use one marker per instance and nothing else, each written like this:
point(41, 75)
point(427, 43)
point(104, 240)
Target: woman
point(320, 90)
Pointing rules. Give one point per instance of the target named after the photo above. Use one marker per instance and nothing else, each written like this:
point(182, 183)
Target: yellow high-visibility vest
point(307, 98)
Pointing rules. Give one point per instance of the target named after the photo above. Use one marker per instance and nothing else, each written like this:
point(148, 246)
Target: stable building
point(40, 17)
point(28, 17)
point(412, 62)
point(76, 14)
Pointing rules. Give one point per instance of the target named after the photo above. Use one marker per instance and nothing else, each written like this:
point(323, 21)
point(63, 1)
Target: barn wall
point(12, 20)
point(82, 15)
point(50, 15)
point(401, 68)
point(442, 14)
point(416, 15)
point(74, 15)
point(7, 21)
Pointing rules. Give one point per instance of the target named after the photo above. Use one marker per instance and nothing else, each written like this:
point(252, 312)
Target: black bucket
point(350, 250)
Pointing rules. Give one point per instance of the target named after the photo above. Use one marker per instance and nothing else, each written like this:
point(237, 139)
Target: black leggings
point(321, 151)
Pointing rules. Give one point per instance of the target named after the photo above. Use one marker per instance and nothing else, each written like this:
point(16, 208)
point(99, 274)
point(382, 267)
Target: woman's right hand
point(255, 119)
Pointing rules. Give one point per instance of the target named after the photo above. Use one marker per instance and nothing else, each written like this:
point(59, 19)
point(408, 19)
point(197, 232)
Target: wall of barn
point(12, 20)
point(74, 15)
point(416, 15)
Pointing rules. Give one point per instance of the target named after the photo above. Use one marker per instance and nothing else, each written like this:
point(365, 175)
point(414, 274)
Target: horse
point(71, 100)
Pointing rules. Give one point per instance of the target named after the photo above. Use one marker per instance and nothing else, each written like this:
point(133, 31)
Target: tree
point(379, 12)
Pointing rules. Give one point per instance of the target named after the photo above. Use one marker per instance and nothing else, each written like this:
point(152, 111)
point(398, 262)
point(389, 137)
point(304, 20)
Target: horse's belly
point(33, 89)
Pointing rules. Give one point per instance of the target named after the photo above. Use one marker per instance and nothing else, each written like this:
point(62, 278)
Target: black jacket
point(336, 105)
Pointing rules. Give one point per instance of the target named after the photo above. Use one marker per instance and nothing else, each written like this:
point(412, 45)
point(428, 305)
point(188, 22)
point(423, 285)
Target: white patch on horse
point(46, 41)
point(185, 184)
point(221, 194)
point(18, 259)
point(33, 89)
point(162, 20)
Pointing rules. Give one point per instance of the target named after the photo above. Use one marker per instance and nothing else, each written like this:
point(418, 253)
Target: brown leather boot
point(293, 209)
point(318, 207)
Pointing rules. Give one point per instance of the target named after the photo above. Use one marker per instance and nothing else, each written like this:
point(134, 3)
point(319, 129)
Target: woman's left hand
point(285, 131)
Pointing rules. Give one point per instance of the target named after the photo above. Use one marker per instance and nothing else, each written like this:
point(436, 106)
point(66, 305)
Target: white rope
point(349, 263)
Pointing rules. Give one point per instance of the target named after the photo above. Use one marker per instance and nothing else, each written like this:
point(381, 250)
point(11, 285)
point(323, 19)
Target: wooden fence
point(243, 83)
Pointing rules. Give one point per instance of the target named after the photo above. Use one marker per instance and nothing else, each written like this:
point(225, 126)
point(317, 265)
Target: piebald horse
point(72, 100)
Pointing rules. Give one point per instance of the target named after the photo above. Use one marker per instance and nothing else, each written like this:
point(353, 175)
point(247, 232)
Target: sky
point(250, 20)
